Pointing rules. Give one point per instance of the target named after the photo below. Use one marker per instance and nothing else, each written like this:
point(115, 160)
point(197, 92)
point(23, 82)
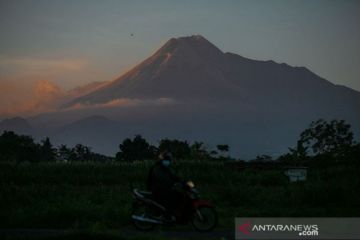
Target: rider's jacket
point(161, 178)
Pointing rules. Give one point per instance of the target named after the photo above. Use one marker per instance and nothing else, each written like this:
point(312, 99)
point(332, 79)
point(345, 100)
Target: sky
point(50, 46)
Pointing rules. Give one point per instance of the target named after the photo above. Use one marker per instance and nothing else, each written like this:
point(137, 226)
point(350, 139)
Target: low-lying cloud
point(34, 97)
point(124, 102)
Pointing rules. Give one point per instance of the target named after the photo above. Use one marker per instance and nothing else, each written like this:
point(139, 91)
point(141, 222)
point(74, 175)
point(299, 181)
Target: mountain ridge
point(192, 67)
point(257, 107)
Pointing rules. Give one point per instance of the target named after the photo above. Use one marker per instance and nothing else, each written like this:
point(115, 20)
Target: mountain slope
point(254, 106)
point(188, 68)
point(16, 124)
point(182, 68)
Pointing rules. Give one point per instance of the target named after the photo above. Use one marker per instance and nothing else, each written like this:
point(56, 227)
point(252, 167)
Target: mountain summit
point(255, 106)
point(183, 67)
point(192, 68)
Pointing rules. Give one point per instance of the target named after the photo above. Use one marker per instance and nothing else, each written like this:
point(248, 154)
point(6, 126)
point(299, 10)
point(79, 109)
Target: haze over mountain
point(190, 89)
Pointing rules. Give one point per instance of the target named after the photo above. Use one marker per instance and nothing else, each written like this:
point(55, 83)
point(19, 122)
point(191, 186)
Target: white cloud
point(125, 102)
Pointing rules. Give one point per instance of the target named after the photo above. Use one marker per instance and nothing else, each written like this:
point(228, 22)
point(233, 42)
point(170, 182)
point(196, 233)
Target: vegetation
point(93, 195)
point(80, 189)
point(324, 144)
point(139, 149)
point(326, 137)
point(20, 148)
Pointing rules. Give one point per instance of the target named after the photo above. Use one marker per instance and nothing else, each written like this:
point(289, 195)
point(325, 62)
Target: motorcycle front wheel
point(141, 211)
point(204, 219)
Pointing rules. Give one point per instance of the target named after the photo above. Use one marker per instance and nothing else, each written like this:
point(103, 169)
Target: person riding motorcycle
point(161, 182)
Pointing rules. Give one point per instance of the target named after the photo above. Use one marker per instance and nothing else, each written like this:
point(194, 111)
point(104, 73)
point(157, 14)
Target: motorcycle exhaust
point(144, 219)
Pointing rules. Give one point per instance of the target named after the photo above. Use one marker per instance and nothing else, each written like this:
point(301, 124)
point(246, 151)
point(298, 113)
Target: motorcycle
point(147, 213)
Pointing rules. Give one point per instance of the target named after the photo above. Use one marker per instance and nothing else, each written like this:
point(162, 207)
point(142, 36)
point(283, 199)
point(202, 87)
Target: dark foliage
point(135, 149)
point(179, 149)
point(47, 152)
point(18, 148)
point(324, 144)
point(326, 137)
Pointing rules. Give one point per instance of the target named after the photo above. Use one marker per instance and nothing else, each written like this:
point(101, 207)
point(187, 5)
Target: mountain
point(179, 69)
point(190, 89)
point(189, 68)
point(16, 124)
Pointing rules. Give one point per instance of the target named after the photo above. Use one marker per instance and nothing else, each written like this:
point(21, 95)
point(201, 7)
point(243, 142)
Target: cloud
point(34, 97)
point(65, 72)
point(40, 65)
point(29, 98)
point(125, 102)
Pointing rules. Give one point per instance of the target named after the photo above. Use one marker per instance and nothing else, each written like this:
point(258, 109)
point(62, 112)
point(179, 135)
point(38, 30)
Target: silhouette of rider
point(161, 182)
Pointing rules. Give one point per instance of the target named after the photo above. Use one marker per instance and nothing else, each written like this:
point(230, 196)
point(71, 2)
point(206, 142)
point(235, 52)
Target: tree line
point(21, 148)
point(138, 149)
point(323, 142)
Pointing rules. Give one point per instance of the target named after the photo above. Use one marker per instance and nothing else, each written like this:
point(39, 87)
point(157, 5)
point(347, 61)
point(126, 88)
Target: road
point(128, 233)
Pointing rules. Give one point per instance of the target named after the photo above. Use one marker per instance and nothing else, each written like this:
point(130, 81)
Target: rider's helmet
point(166, 155)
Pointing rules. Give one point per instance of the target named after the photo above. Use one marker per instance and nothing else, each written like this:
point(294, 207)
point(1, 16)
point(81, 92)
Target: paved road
point(126, 232)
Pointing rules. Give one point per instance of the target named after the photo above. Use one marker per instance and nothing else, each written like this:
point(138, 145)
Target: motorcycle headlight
point(190, 184)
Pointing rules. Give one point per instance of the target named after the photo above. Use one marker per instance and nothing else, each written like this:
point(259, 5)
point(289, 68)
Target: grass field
point(98, 196)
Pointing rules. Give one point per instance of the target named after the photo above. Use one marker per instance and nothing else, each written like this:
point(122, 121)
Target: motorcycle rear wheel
point(204, 219)
point(142, 211)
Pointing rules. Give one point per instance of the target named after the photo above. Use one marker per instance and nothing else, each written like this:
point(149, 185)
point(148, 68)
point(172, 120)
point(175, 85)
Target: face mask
point(166, 163)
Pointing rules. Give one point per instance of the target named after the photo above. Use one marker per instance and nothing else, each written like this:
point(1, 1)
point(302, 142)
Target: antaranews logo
point(245, 228)
point(298, 228)
point(302, 230)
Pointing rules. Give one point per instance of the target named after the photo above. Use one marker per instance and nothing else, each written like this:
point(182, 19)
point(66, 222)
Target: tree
point(297, 155)
point(325, 137)
point(47, 152)
point(82, 153)
point(179, 149)
point(199, 152)
point(263, 158)
point(136, 149)
point(223, 148)
point(65, 153)
point(18, 148)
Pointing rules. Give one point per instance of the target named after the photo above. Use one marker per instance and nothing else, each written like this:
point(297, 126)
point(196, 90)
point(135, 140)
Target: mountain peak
point(197, 38)
point(193, 43)
point(188, 39)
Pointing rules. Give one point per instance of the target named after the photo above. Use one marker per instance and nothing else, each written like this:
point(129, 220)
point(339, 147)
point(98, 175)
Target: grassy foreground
point(98, 196)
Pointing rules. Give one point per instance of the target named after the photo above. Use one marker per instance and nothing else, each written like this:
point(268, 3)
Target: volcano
point(257, 107)
point(186, 67)
point(193, 69)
